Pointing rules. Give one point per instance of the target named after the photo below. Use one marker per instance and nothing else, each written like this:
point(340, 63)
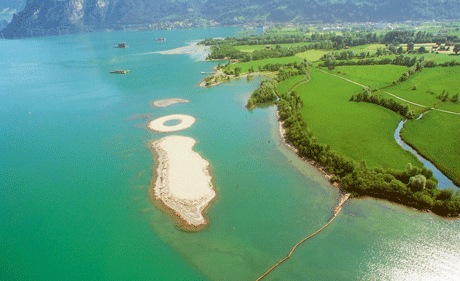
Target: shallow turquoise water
point(75, 169)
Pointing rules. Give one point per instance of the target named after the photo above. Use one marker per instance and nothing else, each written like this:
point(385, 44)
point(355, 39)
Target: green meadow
point(251, 48)
point(289, 83)
point(376, 76)
point(361, 131)
point(437, 137)
point(245, 66)
point(418, 88)
point(438, 58)
point(312, 55)
point(371, 48)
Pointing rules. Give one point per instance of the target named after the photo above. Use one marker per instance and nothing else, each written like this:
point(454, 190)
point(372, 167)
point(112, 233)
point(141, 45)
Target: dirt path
point(450, 112)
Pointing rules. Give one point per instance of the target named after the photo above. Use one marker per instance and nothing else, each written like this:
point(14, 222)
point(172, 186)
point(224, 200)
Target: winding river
point(444, 182)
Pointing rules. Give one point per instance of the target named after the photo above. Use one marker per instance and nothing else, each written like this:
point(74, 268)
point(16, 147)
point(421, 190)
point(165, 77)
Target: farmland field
point(376, 76)
point(371, 48)
point(250, 48)
point(245, 66)
point(359, 130)
point(312, 55)
point(287, 84)
point(435, 80)
point(436, 136)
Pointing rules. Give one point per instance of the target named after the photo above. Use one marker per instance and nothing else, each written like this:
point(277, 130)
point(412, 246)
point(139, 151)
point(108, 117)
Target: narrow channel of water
point(444, 182)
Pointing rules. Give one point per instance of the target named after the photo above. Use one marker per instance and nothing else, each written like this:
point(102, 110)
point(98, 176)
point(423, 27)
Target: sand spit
point(157, 125)
point(168, 102)
point(282, 132)
point(183, 182)
point(198, 51)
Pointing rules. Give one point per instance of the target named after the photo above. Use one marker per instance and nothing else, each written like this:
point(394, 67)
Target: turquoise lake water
point(75, 169)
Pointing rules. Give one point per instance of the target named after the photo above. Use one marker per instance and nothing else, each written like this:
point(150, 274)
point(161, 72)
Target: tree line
point(367, 96)
point(266, 92)
point(414, 187)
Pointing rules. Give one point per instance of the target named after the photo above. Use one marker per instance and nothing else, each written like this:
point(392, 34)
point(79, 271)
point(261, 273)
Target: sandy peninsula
point(168, 102)
point(183, 181)
point(157, 125)
point(196, 51)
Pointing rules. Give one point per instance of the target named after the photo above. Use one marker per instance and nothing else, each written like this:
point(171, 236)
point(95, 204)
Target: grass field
point(251, 48)
point(435, 80)
point(256, 63)
point(376, 76)
point(312, 55)
point(371, 48)
point(289, 83)
point(358, 130)
point(438, 58)
point(437, 137)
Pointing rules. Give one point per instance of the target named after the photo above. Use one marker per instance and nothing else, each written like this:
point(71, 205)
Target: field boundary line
point(446, 111)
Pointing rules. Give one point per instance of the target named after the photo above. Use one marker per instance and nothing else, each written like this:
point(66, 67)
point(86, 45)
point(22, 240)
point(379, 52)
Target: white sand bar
point(191, 49)
point(168, 102)
point(157, 125)
point(183, 182)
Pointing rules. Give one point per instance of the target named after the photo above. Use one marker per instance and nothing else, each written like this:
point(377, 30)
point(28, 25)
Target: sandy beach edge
point(168, 102)
point(176, 211)
point(288, 144)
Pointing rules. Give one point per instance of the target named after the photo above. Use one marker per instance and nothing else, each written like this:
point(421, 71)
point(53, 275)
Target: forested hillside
point(54, 17)
point(332, 11)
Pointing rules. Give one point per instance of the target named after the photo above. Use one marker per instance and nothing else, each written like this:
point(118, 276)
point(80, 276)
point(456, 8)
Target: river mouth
point(444, 182)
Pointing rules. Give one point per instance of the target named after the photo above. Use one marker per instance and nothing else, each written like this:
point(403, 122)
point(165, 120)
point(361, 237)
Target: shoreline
point(230, 77)
point(168, 102)
point(184, 190)
point(157, 125)
point(319, 168)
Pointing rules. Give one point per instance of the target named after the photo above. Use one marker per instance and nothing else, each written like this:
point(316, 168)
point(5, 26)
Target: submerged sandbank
point(198, 52)
point(157, 125)
point(183, 181)
point(191, 49)
point(168, 102)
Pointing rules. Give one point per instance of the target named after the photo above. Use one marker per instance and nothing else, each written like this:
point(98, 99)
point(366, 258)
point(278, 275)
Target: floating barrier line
point(336, 212)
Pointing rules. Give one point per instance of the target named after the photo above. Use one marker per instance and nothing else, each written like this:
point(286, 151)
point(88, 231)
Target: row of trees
point(330, 60)
point(227, 51)
point(415, 187)
point(444, 97)
point(397, 37)
point(338, 41)
point(367, 96)
point(267, 92)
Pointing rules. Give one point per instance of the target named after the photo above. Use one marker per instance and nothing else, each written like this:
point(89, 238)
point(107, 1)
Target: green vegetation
point(311, 55)
point(290, 83)
point(268, 89)
point(354, 141)
point(254, 65)
point(250, 48)
point(391, 104)
point(412, 186)
point(375, 76)
point(431, 83)
point(368, 48)
point(348, 127)
point(436, 136)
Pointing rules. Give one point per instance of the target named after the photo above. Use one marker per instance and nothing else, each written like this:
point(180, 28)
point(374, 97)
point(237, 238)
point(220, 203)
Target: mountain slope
point(53, 17)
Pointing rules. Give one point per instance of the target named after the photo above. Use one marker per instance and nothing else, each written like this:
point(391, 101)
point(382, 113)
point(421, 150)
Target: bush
point(417, 183)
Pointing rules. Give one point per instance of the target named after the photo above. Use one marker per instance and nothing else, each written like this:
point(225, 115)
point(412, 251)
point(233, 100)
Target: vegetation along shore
point(340, 98)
